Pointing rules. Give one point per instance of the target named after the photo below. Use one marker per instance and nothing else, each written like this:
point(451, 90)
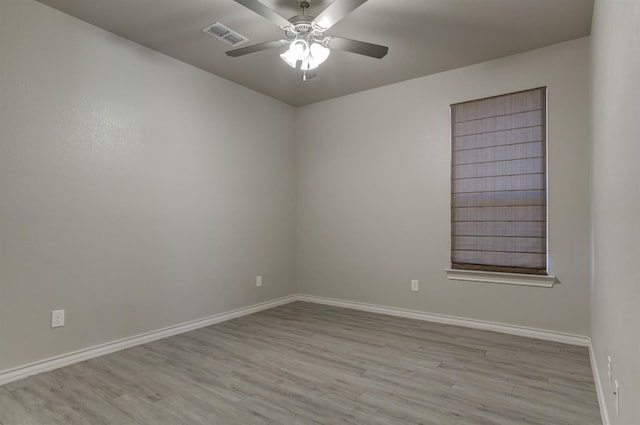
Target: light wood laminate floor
point(308, 364)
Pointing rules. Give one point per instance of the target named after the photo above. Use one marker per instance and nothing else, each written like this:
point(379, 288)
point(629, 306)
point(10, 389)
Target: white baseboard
point(547, 335)
point(22, 372)
point(599, 389)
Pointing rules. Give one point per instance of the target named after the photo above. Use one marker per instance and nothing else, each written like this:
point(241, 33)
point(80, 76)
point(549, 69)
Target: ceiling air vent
point(221, 32)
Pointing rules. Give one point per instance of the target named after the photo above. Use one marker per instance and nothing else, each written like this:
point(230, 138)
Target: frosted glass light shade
point(288, 58)
point(299, 49)
point(319, 53)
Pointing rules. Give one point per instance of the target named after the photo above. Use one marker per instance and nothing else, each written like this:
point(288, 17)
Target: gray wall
point(615, 322)
point(373, 193)
point(137, 192)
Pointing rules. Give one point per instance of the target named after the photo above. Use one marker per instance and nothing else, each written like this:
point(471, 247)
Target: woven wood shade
point(498, 183)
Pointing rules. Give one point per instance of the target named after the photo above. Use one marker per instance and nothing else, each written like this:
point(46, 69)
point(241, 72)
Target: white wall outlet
point(57, 318)
point(414, 285)
point(258, 281)
point(616, 393)
point(609, 369)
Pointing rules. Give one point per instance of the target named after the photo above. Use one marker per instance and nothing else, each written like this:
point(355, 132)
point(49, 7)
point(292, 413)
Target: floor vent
point(224, 33)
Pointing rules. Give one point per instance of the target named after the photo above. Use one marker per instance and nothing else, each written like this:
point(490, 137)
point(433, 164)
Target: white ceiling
point(424, 37)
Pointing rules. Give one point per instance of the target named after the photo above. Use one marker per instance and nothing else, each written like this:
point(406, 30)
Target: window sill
point(502, 278)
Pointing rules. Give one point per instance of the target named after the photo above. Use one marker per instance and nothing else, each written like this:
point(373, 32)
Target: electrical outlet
point(414, 285)
point(258, 281)
point(609, 369)
point(57, 318)
point(616, 393)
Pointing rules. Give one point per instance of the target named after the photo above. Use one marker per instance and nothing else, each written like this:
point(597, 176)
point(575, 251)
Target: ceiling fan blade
point(336, 11)
point(359, 47)
point(265, 12)
point(256, 48)
point(307, 75)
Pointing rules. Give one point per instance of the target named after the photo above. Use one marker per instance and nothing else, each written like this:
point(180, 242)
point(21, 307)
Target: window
point(498, 184)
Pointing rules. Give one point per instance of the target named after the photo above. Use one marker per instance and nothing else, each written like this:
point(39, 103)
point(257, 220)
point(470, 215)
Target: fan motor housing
point(302, 23)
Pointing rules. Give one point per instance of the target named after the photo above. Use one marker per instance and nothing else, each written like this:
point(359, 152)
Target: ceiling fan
point(308, 47)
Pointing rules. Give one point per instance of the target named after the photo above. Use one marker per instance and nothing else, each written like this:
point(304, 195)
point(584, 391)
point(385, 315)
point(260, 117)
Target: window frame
point(546, 280)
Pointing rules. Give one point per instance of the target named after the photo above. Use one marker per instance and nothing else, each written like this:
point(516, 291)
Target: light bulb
point(299, 49)
point(319, 53)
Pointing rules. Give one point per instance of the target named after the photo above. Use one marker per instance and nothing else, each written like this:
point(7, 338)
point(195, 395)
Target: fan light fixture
point(307, 46)
point(310, 56)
